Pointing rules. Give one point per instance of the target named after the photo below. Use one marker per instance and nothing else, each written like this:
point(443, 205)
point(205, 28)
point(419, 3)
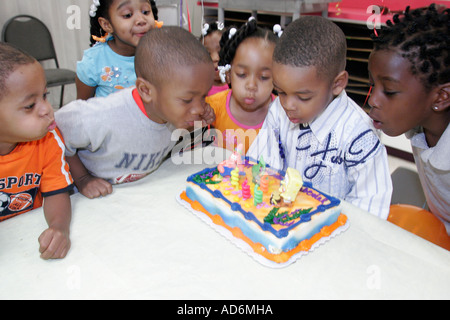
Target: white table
point(139, 243)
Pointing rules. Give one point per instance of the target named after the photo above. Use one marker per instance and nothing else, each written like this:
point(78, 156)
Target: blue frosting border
point(282, 233)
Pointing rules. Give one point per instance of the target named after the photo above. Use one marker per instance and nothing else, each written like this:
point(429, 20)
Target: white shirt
point(433, 167)
point(340, 153)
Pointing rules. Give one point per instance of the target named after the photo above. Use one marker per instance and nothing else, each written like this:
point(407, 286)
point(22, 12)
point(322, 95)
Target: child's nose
point(373, 99)
point(251, 83)
point(45, 109)
point(141, 18)
point(288, 104)
point(215, 57)
point(198, 109)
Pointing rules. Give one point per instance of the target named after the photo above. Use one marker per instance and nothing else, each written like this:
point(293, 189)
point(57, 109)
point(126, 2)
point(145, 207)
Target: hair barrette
point(223, 71)
point(220, 25)
point(232, 33)
point(93, 8)
point(277, 30)
point(205, 29)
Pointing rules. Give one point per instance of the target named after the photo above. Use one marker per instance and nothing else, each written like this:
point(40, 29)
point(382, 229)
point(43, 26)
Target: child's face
point(398, 99)
point(181, 100)
point(251, 74)
point(212, 44)
point(25, 113)
point(303, 93)
point(129, 21)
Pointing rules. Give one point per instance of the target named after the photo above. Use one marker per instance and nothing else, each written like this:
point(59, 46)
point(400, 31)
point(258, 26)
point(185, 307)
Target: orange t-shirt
point(33, 170)
point(233, 132)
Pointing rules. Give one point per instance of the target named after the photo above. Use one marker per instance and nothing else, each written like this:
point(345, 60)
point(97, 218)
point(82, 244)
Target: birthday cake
point(273, 216)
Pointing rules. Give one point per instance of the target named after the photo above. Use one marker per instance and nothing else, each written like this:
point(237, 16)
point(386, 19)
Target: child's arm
point(88, 185)
point(55, 242)
point(84, 91)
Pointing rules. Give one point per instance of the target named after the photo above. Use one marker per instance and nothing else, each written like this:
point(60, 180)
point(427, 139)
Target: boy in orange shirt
point(32, 163)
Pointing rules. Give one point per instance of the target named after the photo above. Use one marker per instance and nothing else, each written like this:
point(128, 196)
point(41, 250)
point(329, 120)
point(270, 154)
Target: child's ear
point(340, 82)
point(442, 100)
point(146, 90)
point(106, 25)
point(228, 77)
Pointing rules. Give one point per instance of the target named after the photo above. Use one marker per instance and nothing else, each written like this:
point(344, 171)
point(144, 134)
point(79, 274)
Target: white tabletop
point(140, 243)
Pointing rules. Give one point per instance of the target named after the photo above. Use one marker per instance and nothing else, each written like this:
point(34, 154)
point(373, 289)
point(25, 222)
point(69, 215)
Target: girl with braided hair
point(211, 35)
point(246, 65)
point(116, 29)
point(409, 70)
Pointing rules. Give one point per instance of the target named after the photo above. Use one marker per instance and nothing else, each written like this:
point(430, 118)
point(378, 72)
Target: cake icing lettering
point(313, 194)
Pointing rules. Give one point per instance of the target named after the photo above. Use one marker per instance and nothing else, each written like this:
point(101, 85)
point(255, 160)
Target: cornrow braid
point(422, 37)
point(103, 11)
point(249, 30)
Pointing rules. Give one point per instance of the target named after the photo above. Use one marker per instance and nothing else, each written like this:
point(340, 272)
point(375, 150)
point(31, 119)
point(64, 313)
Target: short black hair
point(422, 36)
point(313, 41)
point(10, 59)
point(161, 51)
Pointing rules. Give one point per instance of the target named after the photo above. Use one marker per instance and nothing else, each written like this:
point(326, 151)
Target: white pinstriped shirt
point(340, 153)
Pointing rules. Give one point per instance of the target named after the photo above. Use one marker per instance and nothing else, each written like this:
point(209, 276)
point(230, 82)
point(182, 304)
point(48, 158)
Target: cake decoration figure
point(235, 160)
point(290, 186)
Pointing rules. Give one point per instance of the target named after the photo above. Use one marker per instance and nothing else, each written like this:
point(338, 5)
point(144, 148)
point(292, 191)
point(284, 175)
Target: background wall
point(68, 22)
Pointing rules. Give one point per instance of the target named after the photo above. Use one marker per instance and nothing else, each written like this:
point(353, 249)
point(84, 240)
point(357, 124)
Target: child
point(410, 75)
point(314, 127)
point(240, 111)
point(125, 136)
point(117, 27)
point(211, 35)
point(32, 164)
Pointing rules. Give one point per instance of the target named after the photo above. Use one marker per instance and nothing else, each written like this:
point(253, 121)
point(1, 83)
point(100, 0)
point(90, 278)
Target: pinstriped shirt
point(339, 153)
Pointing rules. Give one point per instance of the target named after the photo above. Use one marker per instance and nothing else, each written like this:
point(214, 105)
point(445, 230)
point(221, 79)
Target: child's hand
point(92, 187)
point(208, 116)
point(54, 244)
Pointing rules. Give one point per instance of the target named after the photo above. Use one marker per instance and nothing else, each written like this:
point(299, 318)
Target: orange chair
point(420, 222)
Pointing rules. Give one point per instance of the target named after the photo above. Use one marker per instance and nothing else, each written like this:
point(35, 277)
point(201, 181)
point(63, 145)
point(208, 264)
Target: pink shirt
point(216, 89)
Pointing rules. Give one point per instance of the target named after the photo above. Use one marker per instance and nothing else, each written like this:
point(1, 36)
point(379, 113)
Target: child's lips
point(52, 126)
point(249, 101)
point(377, 124)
